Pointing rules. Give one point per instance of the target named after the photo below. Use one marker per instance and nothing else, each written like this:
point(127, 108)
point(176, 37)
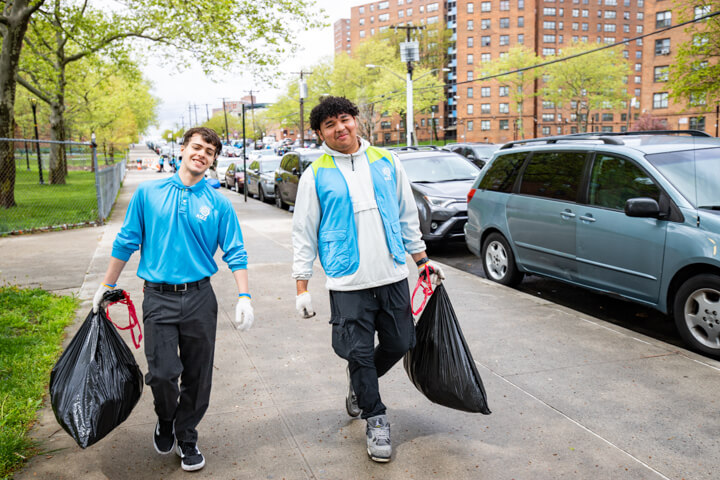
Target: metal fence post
point(98, 194)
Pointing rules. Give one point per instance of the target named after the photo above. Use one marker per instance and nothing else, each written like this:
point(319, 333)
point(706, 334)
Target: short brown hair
point(208, 134)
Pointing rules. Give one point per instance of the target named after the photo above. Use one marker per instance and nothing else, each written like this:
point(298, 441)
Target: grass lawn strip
point(32, 322)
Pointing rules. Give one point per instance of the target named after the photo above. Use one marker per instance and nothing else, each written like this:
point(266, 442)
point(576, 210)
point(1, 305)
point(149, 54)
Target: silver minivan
point(635, 215)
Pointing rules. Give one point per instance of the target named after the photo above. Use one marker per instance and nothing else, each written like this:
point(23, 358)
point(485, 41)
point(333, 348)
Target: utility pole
point(227, 137)
point(207, 112)
point(409, 52)
point(196, 119)
point(303, 96)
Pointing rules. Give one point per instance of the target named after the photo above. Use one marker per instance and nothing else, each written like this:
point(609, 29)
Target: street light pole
point(227, 137)
point(33, 104)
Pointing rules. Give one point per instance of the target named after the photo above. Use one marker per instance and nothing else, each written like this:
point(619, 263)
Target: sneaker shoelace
point(381, 433)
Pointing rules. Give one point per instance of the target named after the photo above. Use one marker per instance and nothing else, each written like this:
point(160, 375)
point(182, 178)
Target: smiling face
point(197, 156)
point(340, 133)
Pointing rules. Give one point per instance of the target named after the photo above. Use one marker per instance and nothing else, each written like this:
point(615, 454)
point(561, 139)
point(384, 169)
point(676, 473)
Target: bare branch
point(35, 91)
point(37, 52)
point(107, 40)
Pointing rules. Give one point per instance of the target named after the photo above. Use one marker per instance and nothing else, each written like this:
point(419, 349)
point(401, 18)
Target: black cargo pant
point(355, 317)
point(180, 344)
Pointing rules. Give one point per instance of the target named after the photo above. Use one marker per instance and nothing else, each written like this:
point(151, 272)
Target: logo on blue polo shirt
point(204, 212)
point(386, 173)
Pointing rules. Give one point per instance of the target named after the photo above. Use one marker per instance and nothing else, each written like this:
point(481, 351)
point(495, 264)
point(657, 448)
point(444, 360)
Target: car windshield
point(224, 162)
point(482, 151)
point(695, 173)
point(445, 168)
point(266, 152)
point(269, 165)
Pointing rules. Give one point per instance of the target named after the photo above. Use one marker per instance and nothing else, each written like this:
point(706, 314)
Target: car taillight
point(470, 194)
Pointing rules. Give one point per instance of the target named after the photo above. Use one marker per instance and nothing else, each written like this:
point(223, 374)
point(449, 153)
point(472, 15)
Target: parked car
point(261, 177)
point(287, 175)
point(478, 153)
point(634, 215)
point(221, 165)
point(440, 181)
point(235, 177)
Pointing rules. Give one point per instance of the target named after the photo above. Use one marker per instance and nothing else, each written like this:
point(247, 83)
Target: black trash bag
point(441, 365)
point(96, 382)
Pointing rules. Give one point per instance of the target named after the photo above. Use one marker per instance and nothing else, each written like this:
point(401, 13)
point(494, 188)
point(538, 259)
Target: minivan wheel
point(261, 194)
point(499, 261)
point(279, 201)
point(697, 313)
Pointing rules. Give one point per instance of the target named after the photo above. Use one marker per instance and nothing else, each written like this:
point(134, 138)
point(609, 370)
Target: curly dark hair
point(331, 107)
point(208, 134)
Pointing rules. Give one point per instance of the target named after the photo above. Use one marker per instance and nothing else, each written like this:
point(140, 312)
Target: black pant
point(180, 343)
point(355, 316)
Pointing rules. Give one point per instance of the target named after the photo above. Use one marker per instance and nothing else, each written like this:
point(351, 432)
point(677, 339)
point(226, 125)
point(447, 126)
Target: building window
point(697, 99)
point(504, 125)
point(662, 46)
point(505, 22)
point(432, 7)
point(485, 108)
point(521, 22)
point(661, 74)
point(699, 39)
point(548, 117)
point(485, 58)
point(610, 14)
point(409, 12)
point(660, 100)
point(609, 27)
point(521, 38)
point(383, 5)
point(504, 40)
point(546, 130)
point(469, 24)
point(607, 117)
point(470, 92)
point(547, 52)
point(361, 10)
point(504, 5)
point(549, 25)
point(485, 24)
point(701, 12)
point(663, 19)
point(470, 7)
point(433, 19)
point(470, 59)
point(470, 125)
point(549, 11)
point(384, 17)
point(484, 91)
point(503, 91)
point(362, 21)
point(504, 108)
point(401, 13)
point(484, 124)
point(362, 33)
point(470, 42)
point(385, 125)
point(485, 41)
point(485, 6)
point(470, 109)
point(548, 38)
point(697, 123)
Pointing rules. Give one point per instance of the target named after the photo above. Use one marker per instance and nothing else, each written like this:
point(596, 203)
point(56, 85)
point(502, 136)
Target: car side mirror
point(295, 171)
point(471, 157)
point(642, 207)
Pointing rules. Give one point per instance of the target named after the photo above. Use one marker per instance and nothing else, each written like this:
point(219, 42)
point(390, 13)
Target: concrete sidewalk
point(572, 397)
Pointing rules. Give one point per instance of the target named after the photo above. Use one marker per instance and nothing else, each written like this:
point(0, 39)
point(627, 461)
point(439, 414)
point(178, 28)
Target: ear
point(319, 135)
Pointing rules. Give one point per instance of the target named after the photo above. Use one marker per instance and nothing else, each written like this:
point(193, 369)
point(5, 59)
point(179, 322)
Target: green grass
point(50, 205)
point(32, 322)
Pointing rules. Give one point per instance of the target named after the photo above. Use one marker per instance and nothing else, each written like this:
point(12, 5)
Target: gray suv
point(635, 215)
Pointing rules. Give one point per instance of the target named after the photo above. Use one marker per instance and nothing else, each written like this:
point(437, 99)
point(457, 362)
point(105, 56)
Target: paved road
point(572, 397)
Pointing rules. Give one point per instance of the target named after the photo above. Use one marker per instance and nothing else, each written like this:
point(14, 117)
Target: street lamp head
point(370, 65)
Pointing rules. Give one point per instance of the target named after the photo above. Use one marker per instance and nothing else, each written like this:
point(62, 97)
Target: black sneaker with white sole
point(191, 457)
point(164, 437)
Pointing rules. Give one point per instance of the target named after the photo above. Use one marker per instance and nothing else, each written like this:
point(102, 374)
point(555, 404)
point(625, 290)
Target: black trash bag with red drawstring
point(441, 365)
point(96, 382)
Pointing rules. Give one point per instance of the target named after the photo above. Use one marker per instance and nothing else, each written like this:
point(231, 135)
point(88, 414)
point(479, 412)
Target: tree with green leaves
point(14, 19)
point(695, 72)
point(588, 82)
point(520, 84)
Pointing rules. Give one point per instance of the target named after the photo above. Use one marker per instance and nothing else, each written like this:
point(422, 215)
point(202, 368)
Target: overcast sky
point(177, 90)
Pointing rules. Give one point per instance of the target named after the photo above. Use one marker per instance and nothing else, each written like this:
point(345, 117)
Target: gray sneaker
point(351, 403)
point(378, 438)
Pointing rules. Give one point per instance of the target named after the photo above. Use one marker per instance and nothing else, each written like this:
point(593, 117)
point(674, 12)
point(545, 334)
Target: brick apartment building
point(483, 30)
point(342, 36)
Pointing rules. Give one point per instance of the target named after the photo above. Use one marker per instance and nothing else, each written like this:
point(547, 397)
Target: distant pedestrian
point(161, 160)
point(178, 224)
point(355, 208)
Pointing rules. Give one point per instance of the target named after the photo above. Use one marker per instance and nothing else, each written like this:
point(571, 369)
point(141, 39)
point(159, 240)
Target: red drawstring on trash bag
point(427, 290)
point(133, 321)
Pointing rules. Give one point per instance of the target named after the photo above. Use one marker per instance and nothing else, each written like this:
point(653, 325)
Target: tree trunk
point(12, 40)
point(112, 153)
point(58, 157)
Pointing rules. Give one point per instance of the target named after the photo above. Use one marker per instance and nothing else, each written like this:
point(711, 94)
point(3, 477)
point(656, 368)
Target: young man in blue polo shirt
point(354, 207)
point(178, 224)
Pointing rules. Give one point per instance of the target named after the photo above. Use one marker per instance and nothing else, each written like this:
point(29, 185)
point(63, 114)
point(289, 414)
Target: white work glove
point(303, 305)
point(436, 273)
point(244, 316)
point(97, 299)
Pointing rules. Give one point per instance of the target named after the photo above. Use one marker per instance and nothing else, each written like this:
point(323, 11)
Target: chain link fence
point(43, 202)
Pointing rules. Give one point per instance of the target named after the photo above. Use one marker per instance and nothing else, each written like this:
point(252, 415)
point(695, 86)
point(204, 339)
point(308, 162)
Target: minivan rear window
point(502, 173)
point(554, 175)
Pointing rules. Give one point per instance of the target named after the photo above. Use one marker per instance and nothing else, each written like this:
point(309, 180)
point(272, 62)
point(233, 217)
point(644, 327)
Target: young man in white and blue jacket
point(178, 223)
point(355, 209)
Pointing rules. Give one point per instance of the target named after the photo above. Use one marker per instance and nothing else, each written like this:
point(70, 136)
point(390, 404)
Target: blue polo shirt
point(178, 229)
